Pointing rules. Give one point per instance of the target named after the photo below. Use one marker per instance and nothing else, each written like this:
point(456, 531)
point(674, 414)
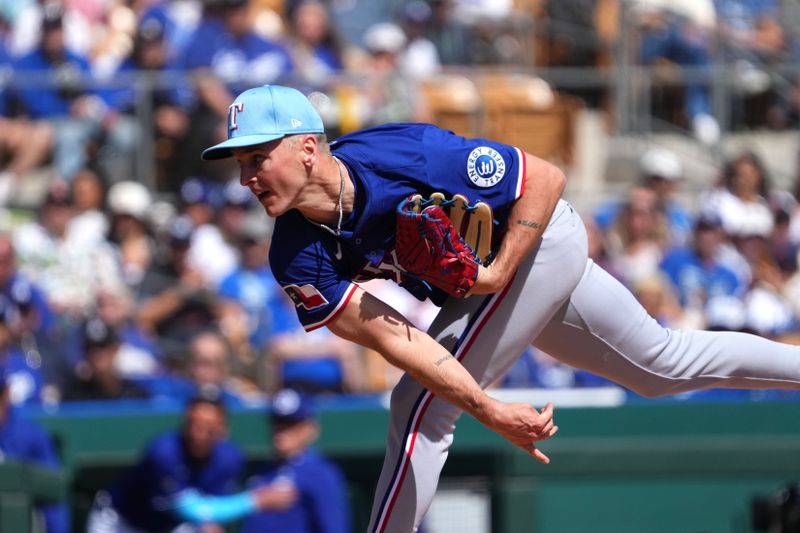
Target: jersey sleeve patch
point(478, 169)
point(307, 296)
point(485, 166)
point(335, 311)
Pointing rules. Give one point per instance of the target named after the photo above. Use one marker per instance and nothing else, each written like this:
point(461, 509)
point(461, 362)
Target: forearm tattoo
point(441, 360)
point(529, 223)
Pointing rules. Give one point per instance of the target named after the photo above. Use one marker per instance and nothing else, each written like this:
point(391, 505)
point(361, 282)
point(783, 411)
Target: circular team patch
point(485, 166)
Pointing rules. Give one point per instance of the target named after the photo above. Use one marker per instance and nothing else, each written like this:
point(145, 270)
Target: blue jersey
point(694, 278)
point(387, 163)
point(240, 62)
point(321, 506)
point(255, 291)
point(51, 101)
point(25, 441)
point(145, 497)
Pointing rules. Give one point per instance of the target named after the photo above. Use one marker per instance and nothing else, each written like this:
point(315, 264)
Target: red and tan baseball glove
point(429, 246)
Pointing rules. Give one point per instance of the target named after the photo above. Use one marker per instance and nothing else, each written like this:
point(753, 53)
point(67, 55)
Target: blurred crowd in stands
point(115, 284)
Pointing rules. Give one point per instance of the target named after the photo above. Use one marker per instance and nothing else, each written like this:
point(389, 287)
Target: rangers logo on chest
point(485, 166)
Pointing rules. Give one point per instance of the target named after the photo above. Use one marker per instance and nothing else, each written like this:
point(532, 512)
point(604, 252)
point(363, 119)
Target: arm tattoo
point(529, 223)
point(441, 360)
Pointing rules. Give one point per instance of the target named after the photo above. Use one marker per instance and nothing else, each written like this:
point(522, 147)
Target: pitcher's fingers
point(540, 456)
point(543, 435)
point(547, 428)
point(547, 412)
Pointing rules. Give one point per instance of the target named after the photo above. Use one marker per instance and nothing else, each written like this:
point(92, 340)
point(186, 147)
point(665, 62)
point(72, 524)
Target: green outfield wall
point(650, 467)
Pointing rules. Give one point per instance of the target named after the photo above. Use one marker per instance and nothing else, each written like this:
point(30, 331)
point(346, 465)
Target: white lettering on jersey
point(485, 166)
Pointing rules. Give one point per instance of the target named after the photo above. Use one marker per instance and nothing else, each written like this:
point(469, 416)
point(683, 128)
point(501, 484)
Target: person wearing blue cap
point(336, 208)
point(315, 487)
point(179, 479)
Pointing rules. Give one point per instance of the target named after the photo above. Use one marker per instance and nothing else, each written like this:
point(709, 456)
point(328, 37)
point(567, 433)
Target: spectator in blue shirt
point(22, 440)
point(316, 50)
point(35, 360)
point(670, 36)
point(695, 271)
point(249, 293)
point(185, 482)
point(179, 473)
point(60, 94)
point(225, 56)
point(661, 171)
point(25, 144)
point(319, 503)
point(168, 99)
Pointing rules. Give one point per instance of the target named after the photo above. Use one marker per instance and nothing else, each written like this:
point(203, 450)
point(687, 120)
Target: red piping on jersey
point(384, 518)
point(345, 299)
point(524, 163)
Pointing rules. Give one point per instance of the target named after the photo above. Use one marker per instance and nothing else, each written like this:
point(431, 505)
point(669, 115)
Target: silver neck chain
point(338, 231)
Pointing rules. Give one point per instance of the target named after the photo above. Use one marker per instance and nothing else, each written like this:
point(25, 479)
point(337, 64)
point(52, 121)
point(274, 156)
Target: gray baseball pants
point(572, 309)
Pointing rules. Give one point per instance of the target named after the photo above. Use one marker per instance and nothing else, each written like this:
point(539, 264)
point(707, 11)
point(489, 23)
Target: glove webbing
point(473, 222)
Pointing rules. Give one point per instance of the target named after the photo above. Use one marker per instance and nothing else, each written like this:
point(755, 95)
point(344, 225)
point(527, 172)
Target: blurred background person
point(89, 220)
point(97, 375)
point(139, 355)
point(250, 300)
point(128, 205)
point(387, 94)
point(204, 369)
point(167, 97)
point(638, 237)
point(658, 297)
point(449, 34)
point(25, 144)
point(225, 56)
point(75, 105)
point(695, 271)
point(419, 59)
point(157, 493)
point(316, 485)
point(681, 34)
point(69, 105)
point(173, 301)
point(740, 200)
point(32, 341)
point(69, 267)
point(315, 362)
point(27, 28)
point(318, 53)
point(661, 171)
point(752, 39)
point(210, 252)
point(26, 441)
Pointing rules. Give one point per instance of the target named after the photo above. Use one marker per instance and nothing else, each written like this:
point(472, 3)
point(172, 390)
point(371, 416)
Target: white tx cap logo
point(233, 109)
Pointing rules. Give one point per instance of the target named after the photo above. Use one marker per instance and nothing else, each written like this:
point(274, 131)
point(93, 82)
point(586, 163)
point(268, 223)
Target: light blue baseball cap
point(263, 114)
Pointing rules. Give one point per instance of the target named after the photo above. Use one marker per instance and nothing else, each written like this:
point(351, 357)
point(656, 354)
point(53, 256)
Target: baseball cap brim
point(223, 149)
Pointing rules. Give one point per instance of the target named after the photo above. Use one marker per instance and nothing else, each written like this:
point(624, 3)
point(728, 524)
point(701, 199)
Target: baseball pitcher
point(480, 228)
